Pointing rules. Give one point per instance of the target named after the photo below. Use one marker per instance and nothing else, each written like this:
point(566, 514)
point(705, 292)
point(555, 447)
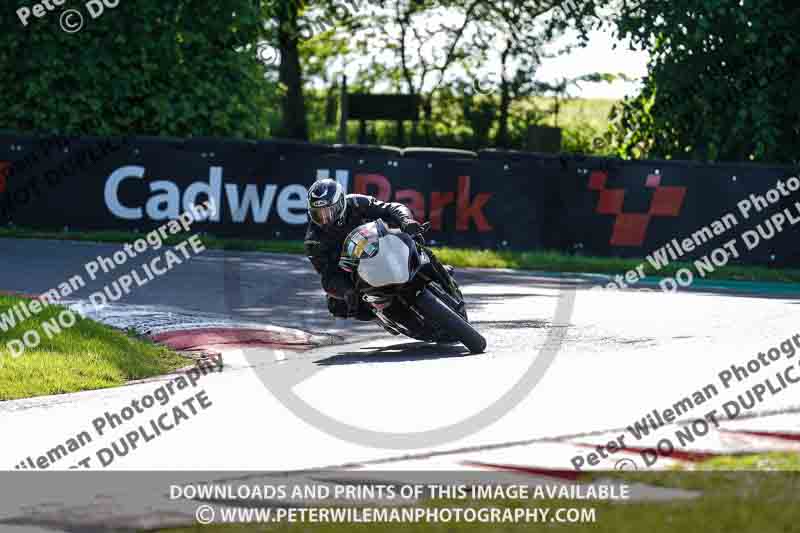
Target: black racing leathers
point(324, 245)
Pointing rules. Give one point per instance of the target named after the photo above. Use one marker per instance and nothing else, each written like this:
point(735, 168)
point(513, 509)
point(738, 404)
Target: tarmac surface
point(566, 368)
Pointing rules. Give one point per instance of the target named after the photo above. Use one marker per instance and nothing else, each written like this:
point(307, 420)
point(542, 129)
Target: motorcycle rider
point(333, 214)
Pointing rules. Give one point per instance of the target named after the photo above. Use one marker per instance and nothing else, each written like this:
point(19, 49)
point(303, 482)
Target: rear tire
point(437, 311)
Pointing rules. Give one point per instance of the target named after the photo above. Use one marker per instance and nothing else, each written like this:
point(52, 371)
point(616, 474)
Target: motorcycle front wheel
point(450, 321)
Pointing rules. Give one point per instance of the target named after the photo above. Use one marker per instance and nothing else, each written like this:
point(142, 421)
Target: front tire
point(437, 311)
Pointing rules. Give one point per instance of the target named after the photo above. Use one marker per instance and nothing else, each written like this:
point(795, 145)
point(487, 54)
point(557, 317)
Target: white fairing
point(389, 266)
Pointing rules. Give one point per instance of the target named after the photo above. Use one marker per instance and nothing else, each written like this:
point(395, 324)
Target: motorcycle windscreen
point(361, 243)
point(390, 266)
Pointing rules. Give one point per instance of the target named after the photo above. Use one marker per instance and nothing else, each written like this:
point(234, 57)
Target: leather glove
point(412, 227)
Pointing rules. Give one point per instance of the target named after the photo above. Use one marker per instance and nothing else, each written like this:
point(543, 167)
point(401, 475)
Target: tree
point(287, 15)
point(720, 82)
point(428, 38)
point(181, 68)
point(522, 28)
point(308, 36)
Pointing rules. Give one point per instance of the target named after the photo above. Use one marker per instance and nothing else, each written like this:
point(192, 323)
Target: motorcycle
point(410, 294)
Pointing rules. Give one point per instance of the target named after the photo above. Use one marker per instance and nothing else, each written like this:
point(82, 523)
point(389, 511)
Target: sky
point(598, 56)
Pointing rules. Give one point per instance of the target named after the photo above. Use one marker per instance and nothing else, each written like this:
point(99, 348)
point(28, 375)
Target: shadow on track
point(515, 324)
point(398, 353)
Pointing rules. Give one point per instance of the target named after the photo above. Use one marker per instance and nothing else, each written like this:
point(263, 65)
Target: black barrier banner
point(139, 184)
point(499, 199)
point(681, 210)
point(469, 203)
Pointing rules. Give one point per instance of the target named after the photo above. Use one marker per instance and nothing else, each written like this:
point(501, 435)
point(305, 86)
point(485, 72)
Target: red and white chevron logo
point(630, 229)
point(4, 167)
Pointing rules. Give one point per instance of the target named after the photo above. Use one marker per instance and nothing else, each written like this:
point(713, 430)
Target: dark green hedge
point(148, 67)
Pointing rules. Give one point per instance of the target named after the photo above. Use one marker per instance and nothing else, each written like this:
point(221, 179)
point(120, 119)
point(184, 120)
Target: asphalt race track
point(565, 367)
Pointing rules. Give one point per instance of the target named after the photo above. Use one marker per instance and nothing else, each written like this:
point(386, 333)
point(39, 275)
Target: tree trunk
point(502, 138)
point(400, 134)
point(427, 107)
point(293, 119)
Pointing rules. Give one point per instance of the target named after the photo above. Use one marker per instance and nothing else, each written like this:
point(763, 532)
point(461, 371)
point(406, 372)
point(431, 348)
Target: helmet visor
point(329, 214)
point(322, 216)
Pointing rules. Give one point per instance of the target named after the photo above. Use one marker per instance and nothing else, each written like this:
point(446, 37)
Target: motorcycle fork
point(456, 300)
point(444, 276)
point(446, 280)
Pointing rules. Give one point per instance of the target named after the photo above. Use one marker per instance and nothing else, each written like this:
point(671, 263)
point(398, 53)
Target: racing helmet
point(327, 203)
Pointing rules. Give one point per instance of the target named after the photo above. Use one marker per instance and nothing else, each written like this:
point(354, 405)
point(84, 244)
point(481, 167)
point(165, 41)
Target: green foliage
point(178, 68)
point(459, 119)
point(192, 68)
point(480, 114)
point(85, 356)
point(720, 81)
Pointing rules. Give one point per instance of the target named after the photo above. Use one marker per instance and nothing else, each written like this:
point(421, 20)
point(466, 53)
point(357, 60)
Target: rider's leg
point(338, 308)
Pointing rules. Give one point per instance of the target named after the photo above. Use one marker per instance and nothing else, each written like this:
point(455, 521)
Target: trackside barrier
point(492, 198)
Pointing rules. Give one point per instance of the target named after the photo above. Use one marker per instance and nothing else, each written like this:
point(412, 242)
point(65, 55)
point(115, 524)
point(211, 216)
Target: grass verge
point(546, 261)
point(86, 356)
point(559, 262)
point(729, 501)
